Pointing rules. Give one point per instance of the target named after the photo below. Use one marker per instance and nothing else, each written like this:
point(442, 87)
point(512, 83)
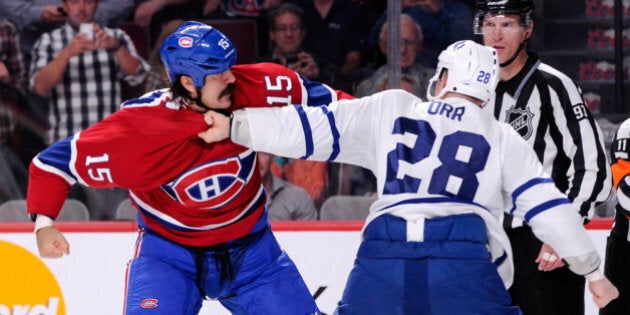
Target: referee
point(547, 109)
point(618, 243)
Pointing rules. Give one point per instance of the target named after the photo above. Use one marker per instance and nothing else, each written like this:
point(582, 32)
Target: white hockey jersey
point(430, 159)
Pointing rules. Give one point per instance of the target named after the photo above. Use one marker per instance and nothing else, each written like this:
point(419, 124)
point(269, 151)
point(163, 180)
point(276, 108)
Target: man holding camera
point(287, 32)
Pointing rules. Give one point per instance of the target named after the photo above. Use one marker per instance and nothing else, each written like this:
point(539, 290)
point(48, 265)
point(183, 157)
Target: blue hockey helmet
point(197, 50)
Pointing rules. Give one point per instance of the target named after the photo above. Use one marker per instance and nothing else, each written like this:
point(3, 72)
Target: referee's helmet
point(522, 8)
point(473, 70)
point(197, 50)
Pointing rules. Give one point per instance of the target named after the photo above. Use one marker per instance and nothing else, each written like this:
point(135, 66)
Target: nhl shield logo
point(520, 120)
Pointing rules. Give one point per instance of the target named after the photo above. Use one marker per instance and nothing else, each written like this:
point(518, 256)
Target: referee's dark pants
point(617, 265)
point(555, 292)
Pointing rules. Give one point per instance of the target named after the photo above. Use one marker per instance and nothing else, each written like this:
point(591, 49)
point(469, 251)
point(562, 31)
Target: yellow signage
point(27, 286)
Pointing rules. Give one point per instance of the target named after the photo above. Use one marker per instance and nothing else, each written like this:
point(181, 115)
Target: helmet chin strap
point(509, 61)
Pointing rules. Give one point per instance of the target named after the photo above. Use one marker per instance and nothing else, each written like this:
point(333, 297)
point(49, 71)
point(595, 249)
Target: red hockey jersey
point(188, 191)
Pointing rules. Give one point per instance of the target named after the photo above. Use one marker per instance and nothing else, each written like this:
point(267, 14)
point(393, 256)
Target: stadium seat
point(15, 211)
point(74, 210)
point(346, 207)
point(126, 211)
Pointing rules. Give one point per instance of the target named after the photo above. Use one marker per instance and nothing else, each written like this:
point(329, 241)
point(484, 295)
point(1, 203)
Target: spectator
point(336, 34)
point(14, 174)
point(410, 46)
point(62, 65)
point(80, 73)
point(547, 109)
point(618, 245)
point(433, 242)
point(287, 31)
point(443, 22)
point(285, 201)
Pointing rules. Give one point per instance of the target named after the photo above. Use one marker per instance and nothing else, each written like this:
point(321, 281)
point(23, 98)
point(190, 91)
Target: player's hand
point(548, 259)
point(603, 291)
point(51, 243)
point(219, 127)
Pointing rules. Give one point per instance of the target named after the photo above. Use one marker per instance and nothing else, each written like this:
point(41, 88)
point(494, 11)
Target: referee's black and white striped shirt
point(90, 89)
point(547, 109)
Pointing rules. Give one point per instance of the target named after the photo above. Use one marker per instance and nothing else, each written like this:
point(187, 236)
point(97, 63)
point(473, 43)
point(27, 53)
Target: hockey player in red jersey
point(203, 228)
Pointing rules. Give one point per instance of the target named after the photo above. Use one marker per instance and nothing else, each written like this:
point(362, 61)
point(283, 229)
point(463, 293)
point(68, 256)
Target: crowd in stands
point(56, 80)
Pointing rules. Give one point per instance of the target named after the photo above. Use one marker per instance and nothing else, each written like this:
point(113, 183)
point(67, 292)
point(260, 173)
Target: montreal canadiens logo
point(211, 185)
point(149, 303)
point(185, 42)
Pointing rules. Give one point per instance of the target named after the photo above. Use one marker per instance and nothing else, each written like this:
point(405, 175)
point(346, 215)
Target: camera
point(87, 29)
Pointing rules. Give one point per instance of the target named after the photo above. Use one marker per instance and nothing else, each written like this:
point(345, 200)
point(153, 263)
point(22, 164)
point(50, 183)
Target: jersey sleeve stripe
point(57, 159)
point(308, 134)
point(334, 131)
point(545, 206)
point(50, 169)
point(518, 191)
point(318, 94)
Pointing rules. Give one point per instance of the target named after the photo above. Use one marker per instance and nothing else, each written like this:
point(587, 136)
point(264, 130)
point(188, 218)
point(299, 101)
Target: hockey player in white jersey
point(446, 170)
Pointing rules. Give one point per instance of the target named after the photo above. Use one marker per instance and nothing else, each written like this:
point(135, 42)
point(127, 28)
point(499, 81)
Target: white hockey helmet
point(473, 70)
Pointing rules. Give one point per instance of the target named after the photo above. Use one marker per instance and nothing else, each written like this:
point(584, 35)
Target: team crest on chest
point(211, 185)
point(520, 120)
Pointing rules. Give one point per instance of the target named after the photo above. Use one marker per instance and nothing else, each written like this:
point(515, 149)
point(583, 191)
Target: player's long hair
point(178, 90)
